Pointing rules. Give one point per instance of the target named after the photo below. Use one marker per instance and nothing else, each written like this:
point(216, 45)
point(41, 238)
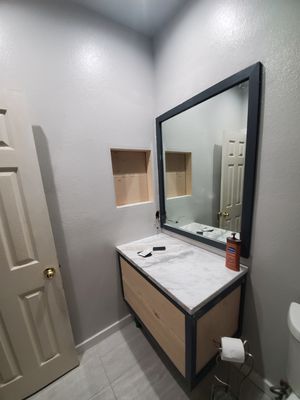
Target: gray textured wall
point(89, 86)
point(207, 42)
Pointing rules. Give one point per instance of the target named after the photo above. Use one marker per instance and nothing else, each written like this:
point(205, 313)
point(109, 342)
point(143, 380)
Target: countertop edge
point(174, 298)
point(162, 288)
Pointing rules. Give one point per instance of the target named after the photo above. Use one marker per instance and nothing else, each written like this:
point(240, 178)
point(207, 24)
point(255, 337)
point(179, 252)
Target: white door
point(36, 343)
point(232, 180)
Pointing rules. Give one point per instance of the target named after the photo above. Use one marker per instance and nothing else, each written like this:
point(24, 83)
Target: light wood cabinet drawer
point(163, 320)
point(220, 320)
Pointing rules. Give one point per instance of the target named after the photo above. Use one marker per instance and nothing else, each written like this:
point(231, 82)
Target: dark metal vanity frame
point(253, 74)
point(191, 378)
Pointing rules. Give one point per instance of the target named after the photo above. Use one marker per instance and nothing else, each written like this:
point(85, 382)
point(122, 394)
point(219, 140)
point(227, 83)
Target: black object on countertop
point(159, 248)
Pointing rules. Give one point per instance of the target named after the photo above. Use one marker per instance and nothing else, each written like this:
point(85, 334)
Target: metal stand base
point(281, 391)
point(221, 393)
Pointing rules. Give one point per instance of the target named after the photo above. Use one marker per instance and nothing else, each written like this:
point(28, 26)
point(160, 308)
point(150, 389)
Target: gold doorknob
point(223, 214)
point(49, 273)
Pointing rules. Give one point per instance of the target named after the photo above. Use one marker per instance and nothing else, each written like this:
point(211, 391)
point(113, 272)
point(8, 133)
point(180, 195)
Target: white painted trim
point(99, 336)
point(262, 383)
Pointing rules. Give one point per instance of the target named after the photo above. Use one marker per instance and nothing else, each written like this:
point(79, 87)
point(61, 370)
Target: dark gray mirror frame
point(253, 75)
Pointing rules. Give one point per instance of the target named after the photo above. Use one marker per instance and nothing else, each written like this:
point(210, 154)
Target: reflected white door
point(232, 180)
point(36, 343)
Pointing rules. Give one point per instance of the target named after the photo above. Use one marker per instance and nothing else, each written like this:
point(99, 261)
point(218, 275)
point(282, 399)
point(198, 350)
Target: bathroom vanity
point(184, 298)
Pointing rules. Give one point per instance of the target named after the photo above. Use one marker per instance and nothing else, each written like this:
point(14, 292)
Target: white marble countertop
point(190, 275)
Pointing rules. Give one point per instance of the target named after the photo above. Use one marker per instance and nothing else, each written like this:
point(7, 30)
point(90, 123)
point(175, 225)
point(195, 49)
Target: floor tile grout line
point(137, 359)
point(112, 384)
point(126, 341)
point(120, 376)
point(103, 366)
point(106, 374)
point(101, 391)
point(108, 380)
point(116, 398)
point(131, 367)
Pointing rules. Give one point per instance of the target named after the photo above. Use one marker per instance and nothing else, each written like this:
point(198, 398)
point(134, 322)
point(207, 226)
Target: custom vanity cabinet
point(165, 322)
point(221, 320)
point(188, 339)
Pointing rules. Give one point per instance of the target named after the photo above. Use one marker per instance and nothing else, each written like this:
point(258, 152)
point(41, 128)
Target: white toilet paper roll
point(232, 350)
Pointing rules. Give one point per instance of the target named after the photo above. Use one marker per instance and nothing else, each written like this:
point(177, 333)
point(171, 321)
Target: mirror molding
point(253, 74)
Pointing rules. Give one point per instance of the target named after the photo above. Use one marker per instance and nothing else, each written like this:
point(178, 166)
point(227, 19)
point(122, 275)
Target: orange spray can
point(233, 252)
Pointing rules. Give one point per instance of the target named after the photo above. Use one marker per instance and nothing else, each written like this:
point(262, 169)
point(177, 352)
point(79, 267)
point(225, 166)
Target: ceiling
point(144, 16)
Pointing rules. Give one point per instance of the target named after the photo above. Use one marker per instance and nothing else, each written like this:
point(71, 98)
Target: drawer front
point(221, 320)
point(163, 320)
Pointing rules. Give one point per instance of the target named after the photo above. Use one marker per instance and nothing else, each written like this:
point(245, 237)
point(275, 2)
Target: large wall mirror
point(207, 158)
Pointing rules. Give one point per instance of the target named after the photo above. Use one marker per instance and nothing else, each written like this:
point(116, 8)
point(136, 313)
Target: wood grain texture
point(132, 176)
point(163, 320)
point(178, 173)
point(221, 320)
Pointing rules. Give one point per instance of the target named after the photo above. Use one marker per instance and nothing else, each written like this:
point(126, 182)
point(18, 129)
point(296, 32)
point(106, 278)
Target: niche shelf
point(132, 173)
point(178, 174)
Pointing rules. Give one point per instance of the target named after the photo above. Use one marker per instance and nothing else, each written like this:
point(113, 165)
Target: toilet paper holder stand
point(248, 363)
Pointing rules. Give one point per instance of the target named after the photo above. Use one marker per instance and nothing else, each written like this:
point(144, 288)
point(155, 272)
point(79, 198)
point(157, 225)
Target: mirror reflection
point(204, 156)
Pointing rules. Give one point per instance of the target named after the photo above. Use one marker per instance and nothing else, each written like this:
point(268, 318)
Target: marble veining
point(189, 274)
point(209, 232)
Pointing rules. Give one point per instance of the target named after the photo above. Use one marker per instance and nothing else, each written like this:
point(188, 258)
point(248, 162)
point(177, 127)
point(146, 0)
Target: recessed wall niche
point(178, 173)
point(132, 173)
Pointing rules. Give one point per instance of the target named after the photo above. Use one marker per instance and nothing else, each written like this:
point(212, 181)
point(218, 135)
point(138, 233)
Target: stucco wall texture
point(92, 85)
point(207, 42)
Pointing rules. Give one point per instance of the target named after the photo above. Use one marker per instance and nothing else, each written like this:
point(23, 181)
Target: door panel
point(40, 325)
point(232, 180)
point(15, 232)
point(36, 343)
point(9, 369)
point(4, 139)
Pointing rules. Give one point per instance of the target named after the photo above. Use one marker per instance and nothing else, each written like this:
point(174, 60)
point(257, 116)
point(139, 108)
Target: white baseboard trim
point(262, 383)
point(99, 336)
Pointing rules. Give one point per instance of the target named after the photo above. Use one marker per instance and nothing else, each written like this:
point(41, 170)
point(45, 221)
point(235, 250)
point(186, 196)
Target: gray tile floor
point(125, 367)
